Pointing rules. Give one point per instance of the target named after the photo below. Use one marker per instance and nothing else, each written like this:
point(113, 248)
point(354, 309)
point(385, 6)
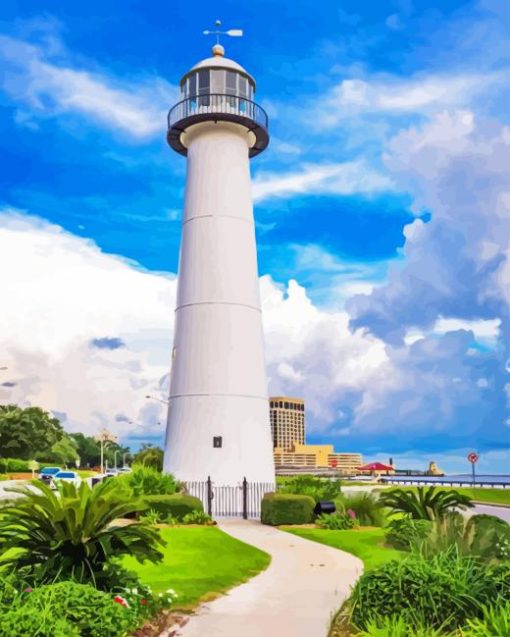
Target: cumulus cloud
point(52, 87)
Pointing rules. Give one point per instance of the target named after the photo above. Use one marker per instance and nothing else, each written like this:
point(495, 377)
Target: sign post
point(473, 459)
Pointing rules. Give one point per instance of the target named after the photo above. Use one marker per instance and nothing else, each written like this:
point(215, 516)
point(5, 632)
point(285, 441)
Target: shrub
point(176, 505)
point(286, 509)
point(401, 626)
point(495, 622)
point(316, 488)
point(405, 533)
point(146, 480)
point(335, 521)
point(448, 589)
point(490, 536)
point(425, 503)
point(71, 534)
point(198, 517)
point(67, 609)
point(13, 465)
point(365, 506)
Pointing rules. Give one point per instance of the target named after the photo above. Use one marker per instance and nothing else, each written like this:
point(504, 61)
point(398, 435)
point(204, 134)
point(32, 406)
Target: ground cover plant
point(367, 508)
point(199, 562)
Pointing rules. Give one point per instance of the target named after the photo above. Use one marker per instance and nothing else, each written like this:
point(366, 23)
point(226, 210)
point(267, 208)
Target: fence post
point(245, 498)
point(209, 495)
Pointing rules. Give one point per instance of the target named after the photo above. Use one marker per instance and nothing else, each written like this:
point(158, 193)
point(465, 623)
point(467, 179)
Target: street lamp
point(115, 458)
point(124, 458)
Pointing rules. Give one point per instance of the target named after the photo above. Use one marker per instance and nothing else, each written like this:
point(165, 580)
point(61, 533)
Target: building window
point(217, 442)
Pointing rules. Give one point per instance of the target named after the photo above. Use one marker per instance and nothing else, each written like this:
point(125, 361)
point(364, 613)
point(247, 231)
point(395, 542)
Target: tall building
point(287, 421)
point(218, 421)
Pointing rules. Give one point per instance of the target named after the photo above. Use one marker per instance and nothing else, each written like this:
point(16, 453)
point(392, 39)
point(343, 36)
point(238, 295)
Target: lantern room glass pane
point(231, 83)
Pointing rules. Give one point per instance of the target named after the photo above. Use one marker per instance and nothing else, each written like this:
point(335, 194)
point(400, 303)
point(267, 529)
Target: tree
point(426, 503)
point(64, 451)
point(88, 449)
point(72, 534)
point(150, 456)
point(27, 432)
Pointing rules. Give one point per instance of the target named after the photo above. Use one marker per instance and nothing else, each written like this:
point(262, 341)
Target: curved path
point(296, 596)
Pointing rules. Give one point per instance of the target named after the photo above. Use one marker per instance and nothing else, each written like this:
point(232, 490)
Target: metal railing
point(220, 103)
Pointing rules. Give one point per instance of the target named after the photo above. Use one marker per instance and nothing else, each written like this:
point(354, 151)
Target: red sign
point(473, 457)
point(334, 463)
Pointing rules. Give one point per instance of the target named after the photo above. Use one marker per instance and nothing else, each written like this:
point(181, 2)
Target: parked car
point(65, 476)
point(124, 470)
point(48, 473)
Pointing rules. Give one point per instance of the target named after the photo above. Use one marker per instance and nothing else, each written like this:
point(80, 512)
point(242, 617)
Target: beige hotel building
point(290, 450)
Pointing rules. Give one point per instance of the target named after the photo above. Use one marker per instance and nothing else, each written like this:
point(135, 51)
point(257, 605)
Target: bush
point(67, 609)
point(335, 521)
point(448, 590)
point(177, 505)
point(316, 488)
point(198, 517)
point(490, 536)
point(404, 533)
point(287, 509)
point(13, 465)
point(366, 508)
point(426, 503)
point(145, 480)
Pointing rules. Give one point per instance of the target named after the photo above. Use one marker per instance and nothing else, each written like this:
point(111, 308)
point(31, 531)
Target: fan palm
point(72, 533)
point(425, 503)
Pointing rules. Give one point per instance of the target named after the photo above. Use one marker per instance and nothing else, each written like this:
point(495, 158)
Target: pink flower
point(351, 514)
point(120, 600)
point(28, 590)
point(143, 602)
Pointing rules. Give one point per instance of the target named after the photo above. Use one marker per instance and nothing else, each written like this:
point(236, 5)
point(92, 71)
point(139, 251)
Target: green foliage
point(198, 517)
point(64, 451)
point(366, 507)
point(404, 533)
point(286, 508)
point(13, 465)
point(150, 457)
point(495, 622)
point(151, 517)
point(27, 431)
point(335, 521)
point(316, 488)
point(72, 534)
point(400, 626)
point(66, 609)
point(177, 505)
point(143, 481)
point(490, 536)
point(426, 503)
point(447, 590)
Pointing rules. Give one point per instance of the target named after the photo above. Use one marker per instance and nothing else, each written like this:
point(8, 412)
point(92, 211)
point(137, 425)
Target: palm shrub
point(73, 533)
point(426, 503)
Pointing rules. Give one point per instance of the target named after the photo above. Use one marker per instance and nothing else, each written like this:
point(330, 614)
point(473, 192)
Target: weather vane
point(234, 33)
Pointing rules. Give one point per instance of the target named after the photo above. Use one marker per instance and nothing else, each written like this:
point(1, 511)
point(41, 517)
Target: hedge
point(13, 465)
point(486, 532)
point(286, 508)
point(177, 505)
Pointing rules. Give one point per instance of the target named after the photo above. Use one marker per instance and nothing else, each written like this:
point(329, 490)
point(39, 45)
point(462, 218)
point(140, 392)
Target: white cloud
point(397, 96)
point(137, 109)
point(346, 178)
point(483, 330)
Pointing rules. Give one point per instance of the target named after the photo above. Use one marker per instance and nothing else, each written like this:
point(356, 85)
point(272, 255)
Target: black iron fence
point(242, 500)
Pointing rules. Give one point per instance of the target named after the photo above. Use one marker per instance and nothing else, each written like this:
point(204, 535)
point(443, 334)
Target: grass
point(366, 543)
point(200, 563)
point(478, 494)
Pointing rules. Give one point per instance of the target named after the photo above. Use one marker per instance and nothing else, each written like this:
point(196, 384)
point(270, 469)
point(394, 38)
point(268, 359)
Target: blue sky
point(381, 204)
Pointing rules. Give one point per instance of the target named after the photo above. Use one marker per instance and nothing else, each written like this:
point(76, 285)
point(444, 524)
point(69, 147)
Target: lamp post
point(124, 458)
point(115, 458)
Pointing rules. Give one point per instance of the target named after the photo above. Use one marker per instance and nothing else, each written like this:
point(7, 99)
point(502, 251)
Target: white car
point(65, 476)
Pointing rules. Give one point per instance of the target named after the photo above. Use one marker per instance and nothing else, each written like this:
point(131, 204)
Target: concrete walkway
point(305, 584)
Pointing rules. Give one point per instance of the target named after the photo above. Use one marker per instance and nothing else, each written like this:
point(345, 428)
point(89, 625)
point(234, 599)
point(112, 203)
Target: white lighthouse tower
point(218, 418)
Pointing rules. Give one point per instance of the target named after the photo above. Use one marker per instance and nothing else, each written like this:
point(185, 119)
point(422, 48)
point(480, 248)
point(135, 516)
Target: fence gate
point(243, 500)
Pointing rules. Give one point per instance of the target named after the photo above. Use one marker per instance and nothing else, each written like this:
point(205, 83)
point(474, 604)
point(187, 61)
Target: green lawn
point(365, 543)
point(480, 494)
point(200, 563)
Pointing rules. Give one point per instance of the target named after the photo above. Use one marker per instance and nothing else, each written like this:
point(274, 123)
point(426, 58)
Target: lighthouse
point(218, 417)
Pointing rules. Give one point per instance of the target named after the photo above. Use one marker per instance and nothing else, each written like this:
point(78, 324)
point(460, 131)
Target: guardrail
point(447, 483)
point(217, 103)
